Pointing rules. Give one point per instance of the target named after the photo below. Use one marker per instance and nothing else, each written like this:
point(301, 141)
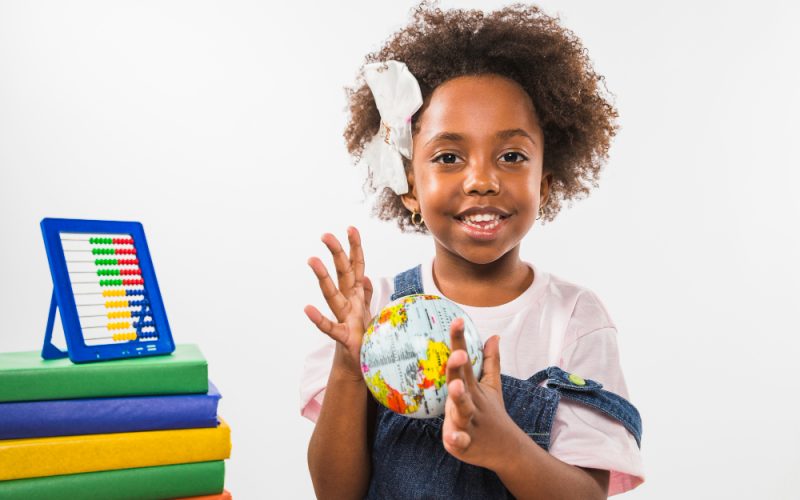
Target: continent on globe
point(433, 368)
point(405, 350)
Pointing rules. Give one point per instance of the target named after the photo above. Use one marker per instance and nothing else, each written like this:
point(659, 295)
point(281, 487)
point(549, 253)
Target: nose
point(481, 178)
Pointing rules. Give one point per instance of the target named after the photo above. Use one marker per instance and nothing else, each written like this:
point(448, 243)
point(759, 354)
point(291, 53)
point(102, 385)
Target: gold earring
point(415, 222)
point(541, 212)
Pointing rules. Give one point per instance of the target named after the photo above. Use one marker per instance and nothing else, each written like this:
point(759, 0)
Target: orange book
point(225, 495)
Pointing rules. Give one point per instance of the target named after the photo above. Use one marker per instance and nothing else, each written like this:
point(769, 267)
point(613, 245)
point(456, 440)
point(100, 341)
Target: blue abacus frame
point(64, 300)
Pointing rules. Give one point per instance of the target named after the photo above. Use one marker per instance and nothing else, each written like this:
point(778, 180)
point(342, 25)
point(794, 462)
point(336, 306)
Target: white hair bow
point(398, 97)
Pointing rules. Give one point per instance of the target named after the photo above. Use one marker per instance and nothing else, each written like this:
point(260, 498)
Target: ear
point(410, 198)
point(544, 187)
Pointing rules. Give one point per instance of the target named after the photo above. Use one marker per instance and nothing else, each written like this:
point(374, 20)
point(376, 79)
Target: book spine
point(168, 481)
point(25, 377)
point(184, 378)
point(50, 456)
point(107, 415)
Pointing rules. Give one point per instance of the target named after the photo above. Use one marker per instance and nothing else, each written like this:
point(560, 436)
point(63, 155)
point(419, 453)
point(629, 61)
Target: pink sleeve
point(585, 437)
point(315, 378)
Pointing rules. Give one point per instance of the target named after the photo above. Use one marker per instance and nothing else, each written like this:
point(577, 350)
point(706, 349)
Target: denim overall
point(410, 462)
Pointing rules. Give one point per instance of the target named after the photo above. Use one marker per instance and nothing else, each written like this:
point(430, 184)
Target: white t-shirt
point(553, 322)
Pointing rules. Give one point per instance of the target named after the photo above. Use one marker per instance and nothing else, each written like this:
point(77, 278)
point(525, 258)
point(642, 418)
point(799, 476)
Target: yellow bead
point(576, 379)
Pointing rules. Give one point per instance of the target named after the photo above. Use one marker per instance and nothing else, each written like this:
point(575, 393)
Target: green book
point(25, 376)
point(166, 481)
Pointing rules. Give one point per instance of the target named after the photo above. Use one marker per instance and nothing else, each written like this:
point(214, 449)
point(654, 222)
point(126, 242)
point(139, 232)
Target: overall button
point(576, 379)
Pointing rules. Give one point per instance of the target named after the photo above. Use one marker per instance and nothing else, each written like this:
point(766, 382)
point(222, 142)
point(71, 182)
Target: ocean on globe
point(405, 350)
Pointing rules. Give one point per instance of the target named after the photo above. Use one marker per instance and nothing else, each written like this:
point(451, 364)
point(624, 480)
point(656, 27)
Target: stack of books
point(141, 428)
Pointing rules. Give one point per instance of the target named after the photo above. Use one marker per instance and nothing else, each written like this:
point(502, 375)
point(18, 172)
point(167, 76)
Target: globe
point(404, 354)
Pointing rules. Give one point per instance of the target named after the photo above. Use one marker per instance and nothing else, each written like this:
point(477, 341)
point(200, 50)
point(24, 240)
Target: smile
point(482, 226)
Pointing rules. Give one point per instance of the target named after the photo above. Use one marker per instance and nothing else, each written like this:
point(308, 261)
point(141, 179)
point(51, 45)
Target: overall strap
point(408, 283)
point(567, 385)
point(592, 394)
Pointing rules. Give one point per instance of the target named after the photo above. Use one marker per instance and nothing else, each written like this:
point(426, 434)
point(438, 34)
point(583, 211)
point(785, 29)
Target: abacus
point(105, 290)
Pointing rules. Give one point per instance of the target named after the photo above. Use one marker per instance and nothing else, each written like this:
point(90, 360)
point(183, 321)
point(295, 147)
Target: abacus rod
point(105, 277)
point(129, 242)
point(93, 262)
point(87, 305)
point(102, 326)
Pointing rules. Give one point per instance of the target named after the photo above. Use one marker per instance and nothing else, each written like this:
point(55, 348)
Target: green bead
point(576, 379)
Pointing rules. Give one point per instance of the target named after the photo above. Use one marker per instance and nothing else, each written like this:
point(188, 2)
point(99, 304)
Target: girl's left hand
point(477, 429)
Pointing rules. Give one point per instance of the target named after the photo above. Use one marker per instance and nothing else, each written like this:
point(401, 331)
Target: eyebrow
point(503, 134)
point(507, 134)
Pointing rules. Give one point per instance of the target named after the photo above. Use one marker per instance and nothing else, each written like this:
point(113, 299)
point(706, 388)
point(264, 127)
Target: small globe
point(404, 353)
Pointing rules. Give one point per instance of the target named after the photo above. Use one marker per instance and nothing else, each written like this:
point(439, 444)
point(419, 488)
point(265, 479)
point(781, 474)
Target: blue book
point(70, 417)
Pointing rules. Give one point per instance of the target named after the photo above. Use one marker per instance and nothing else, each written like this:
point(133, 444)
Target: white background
point(218, 126)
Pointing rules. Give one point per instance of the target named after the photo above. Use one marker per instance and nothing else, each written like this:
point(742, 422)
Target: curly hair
point(518, 42)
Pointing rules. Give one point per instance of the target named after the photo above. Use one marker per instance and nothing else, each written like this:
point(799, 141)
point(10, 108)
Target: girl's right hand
point(349, 302)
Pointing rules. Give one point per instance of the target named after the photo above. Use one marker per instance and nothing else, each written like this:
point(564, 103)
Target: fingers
point(457, 442)
point(336, 301)
point(459, 411)
point(491, 362)
point(356, 254)
point(336, 331)
point(455, 364)
point(459, 344)
point(344, 269)
point(457, 335)
point(462, 407)
point(367, 292)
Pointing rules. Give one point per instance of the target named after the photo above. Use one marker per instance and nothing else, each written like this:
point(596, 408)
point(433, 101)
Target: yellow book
point(50, 456)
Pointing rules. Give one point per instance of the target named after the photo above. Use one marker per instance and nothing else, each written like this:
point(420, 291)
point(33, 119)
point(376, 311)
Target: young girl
point(474, 126)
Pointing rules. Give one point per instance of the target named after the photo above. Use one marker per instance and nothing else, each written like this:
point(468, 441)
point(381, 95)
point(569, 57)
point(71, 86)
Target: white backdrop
point(218, 126)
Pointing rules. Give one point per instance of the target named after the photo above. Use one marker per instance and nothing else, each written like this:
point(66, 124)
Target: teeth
point(482, 217)
point(484, 227)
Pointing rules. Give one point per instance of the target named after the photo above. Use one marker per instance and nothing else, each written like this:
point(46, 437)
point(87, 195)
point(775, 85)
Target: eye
point(514, 157)
point(448, 158)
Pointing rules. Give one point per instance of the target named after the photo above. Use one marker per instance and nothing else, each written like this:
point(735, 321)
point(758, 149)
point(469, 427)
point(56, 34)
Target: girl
point(473, 127)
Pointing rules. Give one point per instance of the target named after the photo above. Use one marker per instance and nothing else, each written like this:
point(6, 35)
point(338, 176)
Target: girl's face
point(477, 167)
